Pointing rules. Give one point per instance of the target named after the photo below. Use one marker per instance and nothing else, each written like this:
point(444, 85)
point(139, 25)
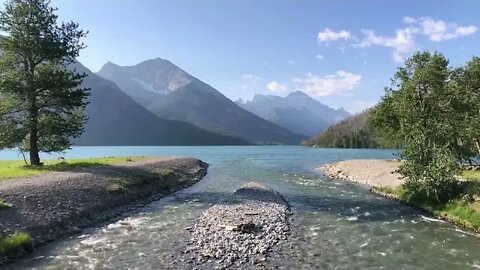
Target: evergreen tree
point(41, 101)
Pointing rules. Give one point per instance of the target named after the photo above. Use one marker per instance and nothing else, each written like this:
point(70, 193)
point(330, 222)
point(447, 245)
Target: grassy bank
point(17, 168)
point(15, 245)
point(464, 211)
point(472, 175)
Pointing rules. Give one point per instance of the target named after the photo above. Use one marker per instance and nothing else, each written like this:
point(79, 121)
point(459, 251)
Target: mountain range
point(297, 112)
point(171, 93)
point(116, 119)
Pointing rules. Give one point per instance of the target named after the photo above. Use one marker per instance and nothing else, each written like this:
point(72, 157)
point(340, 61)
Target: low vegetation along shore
point(42, 204)
point(383, 177)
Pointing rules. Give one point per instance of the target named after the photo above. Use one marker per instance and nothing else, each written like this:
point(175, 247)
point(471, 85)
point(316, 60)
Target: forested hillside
point(352, 132)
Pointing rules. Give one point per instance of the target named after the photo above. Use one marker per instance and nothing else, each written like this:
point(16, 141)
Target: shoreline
point(439, 217)
point(371, 172)
point(54, 205)
point(382, 176)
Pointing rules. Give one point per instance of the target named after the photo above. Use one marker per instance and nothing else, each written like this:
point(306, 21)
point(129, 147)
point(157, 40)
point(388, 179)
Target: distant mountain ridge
point(297, 112)
point(172, 93)
point(116, 120)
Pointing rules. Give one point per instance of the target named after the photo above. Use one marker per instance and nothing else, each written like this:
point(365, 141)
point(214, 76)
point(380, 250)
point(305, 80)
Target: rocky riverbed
point(55, 205)
point(239, 231)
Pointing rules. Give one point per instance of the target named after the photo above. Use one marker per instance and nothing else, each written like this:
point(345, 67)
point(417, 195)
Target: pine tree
point(41, 99)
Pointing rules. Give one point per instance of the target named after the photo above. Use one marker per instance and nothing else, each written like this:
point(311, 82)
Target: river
point(337, 225)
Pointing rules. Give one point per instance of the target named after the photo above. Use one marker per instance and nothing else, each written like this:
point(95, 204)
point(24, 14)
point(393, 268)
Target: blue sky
point(341, 52)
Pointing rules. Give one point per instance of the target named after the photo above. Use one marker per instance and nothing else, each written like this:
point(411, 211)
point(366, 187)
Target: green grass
point(15, 245)
point(4, 204)
point(464, 211)
point(472, 175)
point(17, 168)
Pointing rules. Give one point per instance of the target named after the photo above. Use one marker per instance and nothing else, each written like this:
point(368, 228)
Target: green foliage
point(428, 110)
point(15, 245)
point(41, 107)
point(466, 86)
point(384, 122)
point(431, 171)
point(17, 168)
point(353, 132)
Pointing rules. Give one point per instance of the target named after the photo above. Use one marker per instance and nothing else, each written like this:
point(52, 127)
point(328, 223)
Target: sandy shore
point(54, 205)
point(372, 172)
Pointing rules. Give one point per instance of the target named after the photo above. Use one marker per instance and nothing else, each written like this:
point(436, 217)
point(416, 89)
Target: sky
point(343, 53)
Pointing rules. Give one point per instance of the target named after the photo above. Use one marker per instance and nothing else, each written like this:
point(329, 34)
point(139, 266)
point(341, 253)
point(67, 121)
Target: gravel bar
point(239, 231)
point(372, 172)
point(54, 205)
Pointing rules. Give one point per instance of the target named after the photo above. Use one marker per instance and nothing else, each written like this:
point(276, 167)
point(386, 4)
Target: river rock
point(239, 230)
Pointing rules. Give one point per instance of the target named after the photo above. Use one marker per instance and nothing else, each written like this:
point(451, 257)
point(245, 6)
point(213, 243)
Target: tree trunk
point(33, 111)
point(34, 156)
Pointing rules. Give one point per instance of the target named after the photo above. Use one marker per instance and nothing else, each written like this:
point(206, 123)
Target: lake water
point(337, 225)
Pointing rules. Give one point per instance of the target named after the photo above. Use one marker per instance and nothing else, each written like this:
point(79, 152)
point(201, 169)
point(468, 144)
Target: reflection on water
point(337, 225)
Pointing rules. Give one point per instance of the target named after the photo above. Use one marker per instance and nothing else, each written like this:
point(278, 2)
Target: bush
point(432, 172)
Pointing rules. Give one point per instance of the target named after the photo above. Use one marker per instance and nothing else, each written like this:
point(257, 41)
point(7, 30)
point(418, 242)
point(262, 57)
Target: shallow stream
point(337, 225)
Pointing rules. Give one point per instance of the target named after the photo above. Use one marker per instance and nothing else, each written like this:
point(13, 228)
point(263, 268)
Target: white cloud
point(329, 35)
point(276, 87)
point(331, 84)
point(402, 43)
point(438, 30)
point(291, 62)
point(319, 56)
point(409, 20)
